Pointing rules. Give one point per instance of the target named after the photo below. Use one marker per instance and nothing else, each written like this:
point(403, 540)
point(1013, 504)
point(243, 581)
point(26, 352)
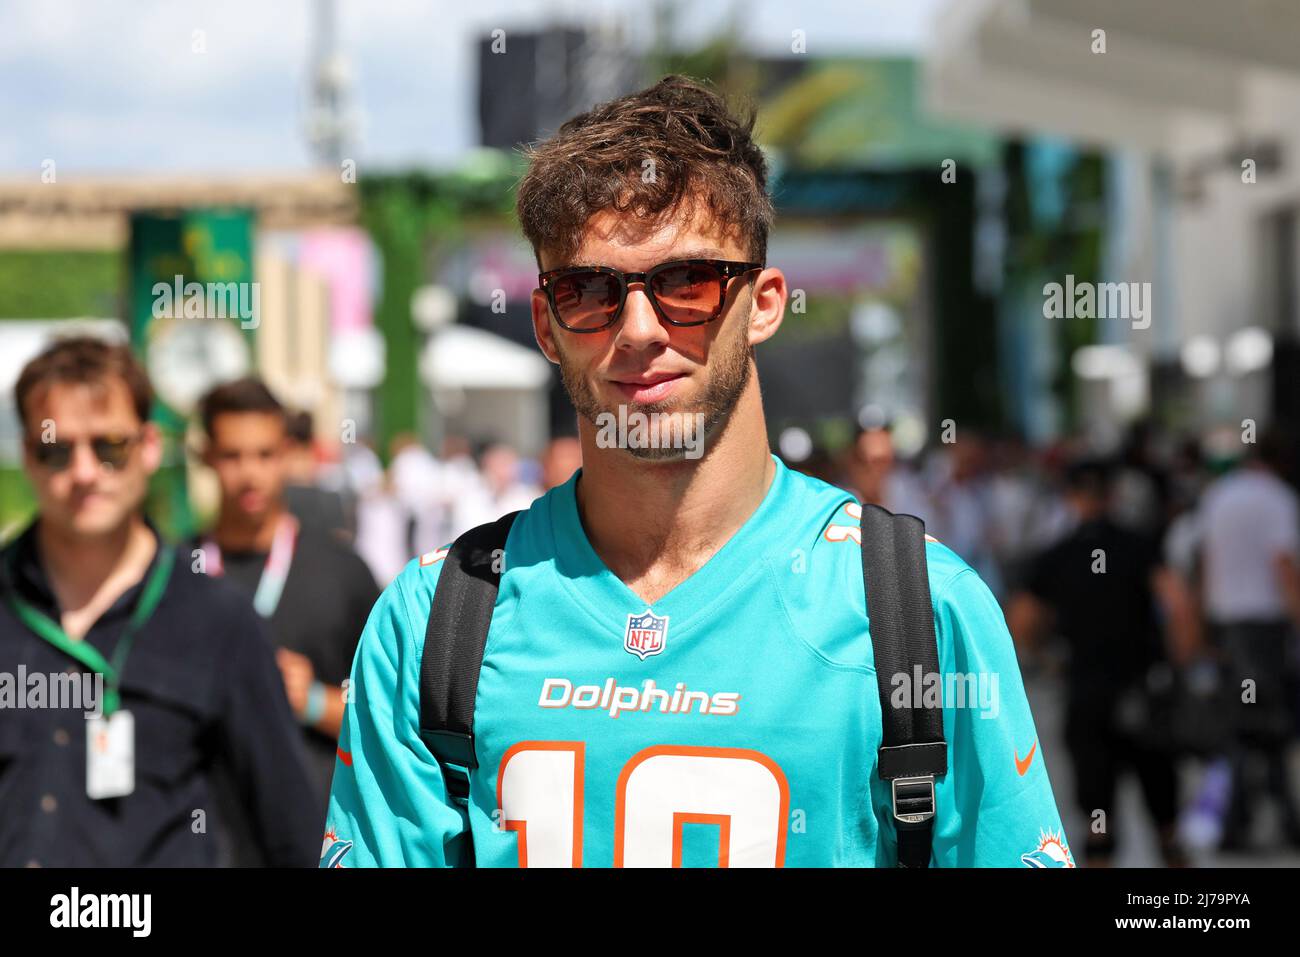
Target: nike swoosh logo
point(346, 757)
point(1023, 766)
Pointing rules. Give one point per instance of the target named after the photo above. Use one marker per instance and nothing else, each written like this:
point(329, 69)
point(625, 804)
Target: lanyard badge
point(270, 586)
point(110, 755)
point(110, 735)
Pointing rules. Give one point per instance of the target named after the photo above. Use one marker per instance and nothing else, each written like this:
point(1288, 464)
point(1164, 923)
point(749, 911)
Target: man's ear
point(202, 450)
point(151, 447)
point(542, 330)
point(768, 298)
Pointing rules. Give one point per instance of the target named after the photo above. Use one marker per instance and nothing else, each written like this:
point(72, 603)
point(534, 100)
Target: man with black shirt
point(1101, 585)
point(324, 508)
point(314, 590)
point(186, 670)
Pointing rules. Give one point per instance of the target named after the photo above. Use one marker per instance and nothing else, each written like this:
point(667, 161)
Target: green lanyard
point(46, 627)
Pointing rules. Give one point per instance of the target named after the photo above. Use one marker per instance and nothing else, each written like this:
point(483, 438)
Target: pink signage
point(345, 259)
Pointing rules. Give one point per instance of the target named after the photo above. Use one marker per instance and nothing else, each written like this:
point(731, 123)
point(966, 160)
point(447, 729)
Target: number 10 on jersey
point(540, 794)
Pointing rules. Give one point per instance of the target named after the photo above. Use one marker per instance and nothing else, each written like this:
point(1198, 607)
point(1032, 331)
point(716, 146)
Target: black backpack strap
point(459, 618)
point(913, 752)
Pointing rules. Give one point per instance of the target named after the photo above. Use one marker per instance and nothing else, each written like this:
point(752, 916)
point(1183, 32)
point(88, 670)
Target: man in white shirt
point(1250, 549)
point(416, 477)
point(498, 491)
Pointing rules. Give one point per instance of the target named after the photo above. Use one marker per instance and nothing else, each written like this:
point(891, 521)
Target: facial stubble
point(722, 392)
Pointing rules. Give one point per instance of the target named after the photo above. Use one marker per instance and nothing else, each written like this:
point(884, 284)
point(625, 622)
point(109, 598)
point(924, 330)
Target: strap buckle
point(913, 799)
point(457, 781)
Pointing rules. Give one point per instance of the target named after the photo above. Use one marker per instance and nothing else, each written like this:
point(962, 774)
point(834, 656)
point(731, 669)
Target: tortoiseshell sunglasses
point(683, 292)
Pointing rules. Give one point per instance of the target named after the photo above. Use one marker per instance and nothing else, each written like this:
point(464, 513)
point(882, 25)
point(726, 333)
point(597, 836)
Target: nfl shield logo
point(646, 634)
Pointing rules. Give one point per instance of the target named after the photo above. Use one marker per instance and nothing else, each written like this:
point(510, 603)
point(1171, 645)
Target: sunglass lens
point(53, 455)
point(112, 452)
point(586, 300)
point(689, 293)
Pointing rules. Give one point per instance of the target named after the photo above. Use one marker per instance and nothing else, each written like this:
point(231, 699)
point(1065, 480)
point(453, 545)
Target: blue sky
point(114, 86)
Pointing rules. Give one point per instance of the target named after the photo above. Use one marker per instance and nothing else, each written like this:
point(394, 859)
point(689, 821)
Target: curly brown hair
point(700, 152)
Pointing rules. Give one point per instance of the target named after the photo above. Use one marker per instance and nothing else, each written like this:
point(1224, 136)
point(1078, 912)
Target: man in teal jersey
point(679, 669)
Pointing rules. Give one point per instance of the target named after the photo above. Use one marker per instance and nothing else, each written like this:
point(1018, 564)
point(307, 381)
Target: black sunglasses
point(684, 292)
point(112, 451)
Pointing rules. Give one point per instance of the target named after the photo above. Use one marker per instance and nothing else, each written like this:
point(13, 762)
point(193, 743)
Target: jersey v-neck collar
point(608, 598)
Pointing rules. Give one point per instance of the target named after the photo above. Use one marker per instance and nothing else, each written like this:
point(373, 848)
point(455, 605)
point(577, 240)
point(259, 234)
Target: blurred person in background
point(819, 462)
point(561, 458)
point(499, 491)
point(457, 458)
point(870, 467)
point(189, 678)
point(417, 482)
point(958, 500)
point(324, 509)
point(360, 466)
point(1187, 482)
point(300, 454)
point(460, 478)
point(381, 521)
point(1099, 589)
point(1140, 500)
point(382, 539)
point(1053, 518)
point(1016, 500)
point(1249, 533)
point(876, 477)
point(314, 591)
point(382, 528)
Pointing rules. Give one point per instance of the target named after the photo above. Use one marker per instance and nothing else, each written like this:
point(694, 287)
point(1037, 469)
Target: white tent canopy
point(483, 385)
point(461, 357)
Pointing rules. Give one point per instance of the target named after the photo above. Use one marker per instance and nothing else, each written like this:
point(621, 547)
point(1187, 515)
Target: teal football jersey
point(734, 722)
